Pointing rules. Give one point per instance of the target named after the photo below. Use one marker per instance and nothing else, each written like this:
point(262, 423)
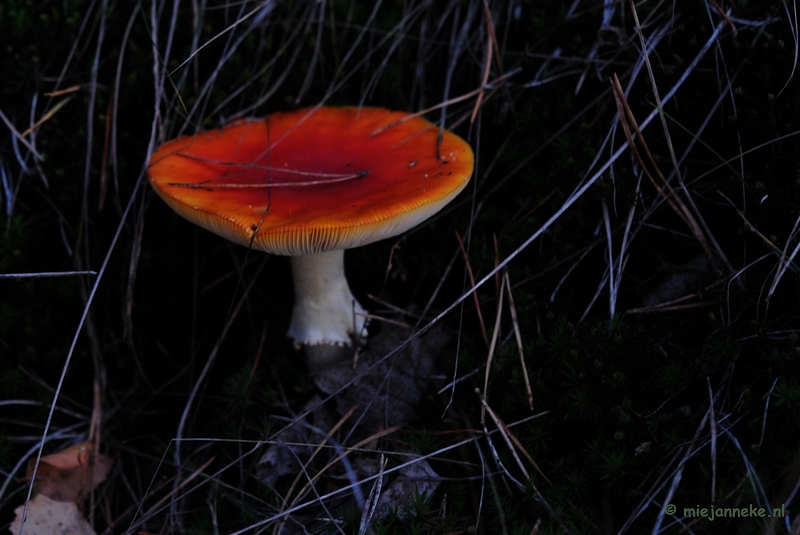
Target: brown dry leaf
point(415, 479)
point(389, 390)
point(50, 517)
point(684, 279)
point(70, 474)
point(379, 395)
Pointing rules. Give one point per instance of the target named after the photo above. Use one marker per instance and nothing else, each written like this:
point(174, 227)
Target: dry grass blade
point(510, 438)
point(666, 307)
point(47, 116)
point(496, 456)
point(785, 260)
point(513, 309)
point(104, 162)
point(45, 274)
point(664, 189)
point(472, 283)
point(725, 16)
point(332, 431)
point(492, 347)
point(682, 456)
point(404, 312)
point(180, 485)
point(613, 282)
point(376, 317)
point(20, 137)
point(66, 91)
point(712, 422)
point(659, 105)
point(504, 434)
point(496, 83)
point(491, 47)
point(372, 500)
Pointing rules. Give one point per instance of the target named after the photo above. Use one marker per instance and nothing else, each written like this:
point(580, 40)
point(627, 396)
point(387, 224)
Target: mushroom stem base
point(323, 356)
point(325, 314)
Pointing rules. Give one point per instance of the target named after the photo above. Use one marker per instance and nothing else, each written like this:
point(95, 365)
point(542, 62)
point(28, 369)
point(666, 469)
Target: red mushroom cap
point(312, 180)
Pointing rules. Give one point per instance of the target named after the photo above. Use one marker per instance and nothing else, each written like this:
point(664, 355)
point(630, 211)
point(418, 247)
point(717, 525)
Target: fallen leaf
point(389, 391)
point(376, 395)
point(296, 443)
point(70, 474)
point(50, 517)
point(684, 279)
point(414, 480)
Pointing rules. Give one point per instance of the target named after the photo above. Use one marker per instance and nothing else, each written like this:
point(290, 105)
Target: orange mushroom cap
point(312, 180)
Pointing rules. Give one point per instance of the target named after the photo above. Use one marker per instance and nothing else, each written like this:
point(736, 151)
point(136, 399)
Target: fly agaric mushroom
point(309, 184)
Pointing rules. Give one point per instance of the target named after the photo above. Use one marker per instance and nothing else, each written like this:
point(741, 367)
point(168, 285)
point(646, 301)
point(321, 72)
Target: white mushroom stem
point(326, 317)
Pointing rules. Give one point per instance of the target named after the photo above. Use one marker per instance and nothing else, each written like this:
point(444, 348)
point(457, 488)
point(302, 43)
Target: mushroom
point(309, 184)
